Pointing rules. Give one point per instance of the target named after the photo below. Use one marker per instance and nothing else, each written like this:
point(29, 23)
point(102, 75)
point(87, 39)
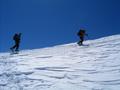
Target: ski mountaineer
point(81, 35)
point(16, 38)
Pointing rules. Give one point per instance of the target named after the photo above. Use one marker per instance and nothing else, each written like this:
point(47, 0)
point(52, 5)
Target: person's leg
point(81, 40)
point(12, 48)
point(78, 43)
point(17, 46)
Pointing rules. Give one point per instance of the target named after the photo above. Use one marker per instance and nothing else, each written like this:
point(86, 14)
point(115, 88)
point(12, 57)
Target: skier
point(81, 35)
point(16, 38)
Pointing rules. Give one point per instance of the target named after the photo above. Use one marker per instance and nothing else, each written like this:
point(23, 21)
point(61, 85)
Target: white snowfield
point(94, 66)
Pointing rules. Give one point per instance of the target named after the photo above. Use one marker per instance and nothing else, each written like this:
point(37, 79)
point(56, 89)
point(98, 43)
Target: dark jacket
point(17, 37)
point(81, 33)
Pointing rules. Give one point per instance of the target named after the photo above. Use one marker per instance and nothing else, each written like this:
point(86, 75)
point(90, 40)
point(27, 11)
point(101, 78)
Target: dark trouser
point(16, 46)
point(81, 41)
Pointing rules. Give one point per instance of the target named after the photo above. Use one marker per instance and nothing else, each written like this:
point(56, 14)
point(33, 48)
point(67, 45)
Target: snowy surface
point(94, 66)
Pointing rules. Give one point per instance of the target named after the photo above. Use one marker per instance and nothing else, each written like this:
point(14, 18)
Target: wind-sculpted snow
point(94, 66)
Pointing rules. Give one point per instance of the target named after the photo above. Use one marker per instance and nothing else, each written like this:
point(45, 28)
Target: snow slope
point(94, 66)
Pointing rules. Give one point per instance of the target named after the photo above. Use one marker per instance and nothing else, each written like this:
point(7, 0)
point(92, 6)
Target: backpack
point(81, 32)
point(16, 37)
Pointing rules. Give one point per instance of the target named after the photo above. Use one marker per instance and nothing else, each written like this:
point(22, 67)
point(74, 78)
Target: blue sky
point(45, 23)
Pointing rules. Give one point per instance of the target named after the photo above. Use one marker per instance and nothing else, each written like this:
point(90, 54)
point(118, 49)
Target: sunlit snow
point(94, 66)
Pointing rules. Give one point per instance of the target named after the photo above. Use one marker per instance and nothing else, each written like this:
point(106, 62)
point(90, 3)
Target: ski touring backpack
point(81, 32)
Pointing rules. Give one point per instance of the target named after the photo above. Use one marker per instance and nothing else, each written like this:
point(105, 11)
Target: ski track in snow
point(95, 66)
